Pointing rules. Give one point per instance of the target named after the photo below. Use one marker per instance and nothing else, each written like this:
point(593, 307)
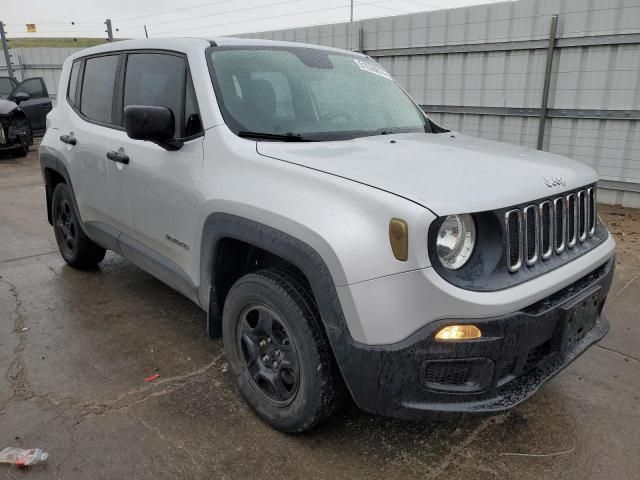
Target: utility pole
point(109, 30)
point(547, 81)
point(351, 27)
point(5, 47)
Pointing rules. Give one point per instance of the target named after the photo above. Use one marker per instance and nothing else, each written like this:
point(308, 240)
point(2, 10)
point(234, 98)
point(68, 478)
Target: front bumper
point(12, 137)
point(422, 378)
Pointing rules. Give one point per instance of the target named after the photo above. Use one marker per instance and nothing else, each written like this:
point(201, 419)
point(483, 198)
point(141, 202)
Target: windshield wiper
point(287, 137)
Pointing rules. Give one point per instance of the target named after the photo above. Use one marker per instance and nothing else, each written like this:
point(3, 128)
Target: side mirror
point(21, 97)
point(153, 124)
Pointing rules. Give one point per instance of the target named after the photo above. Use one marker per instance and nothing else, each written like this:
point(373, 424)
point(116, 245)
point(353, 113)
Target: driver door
point(38, 105)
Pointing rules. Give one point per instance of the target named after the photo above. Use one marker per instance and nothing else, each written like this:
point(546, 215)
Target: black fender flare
point(223, 225)
point(52, 162)
point(296, 252)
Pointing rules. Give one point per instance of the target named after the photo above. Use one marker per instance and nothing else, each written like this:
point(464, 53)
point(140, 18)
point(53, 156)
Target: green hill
point(54, 42)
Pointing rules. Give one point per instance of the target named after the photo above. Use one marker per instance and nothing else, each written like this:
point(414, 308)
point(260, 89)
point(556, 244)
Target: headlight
point(456, 239)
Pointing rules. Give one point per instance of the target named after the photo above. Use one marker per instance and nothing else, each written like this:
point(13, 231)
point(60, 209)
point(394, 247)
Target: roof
point(186, 44)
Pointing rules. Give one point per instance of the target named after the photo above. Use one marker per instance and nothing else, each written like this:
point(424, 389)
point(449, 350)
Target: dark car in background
point(23, 110)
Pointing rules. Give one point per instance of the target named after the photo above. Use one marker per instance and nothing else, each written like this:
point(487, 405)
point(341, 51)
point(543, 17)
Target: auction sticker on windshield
point(372, 67)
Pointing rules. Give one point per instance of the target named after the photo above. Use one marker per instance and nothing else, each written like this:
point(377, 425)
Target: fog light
point(458, 332)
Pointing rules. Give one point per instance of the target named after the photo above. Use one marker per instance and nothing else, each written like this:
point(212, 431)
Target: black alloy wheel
point(268, 354)
point(65, 227)
point(76, 248)
point(278, 351)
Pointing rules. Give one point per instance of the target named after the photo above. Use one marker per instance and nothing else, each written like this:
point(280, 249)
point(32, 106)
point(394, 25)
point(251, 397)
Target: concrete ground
point(76, 346)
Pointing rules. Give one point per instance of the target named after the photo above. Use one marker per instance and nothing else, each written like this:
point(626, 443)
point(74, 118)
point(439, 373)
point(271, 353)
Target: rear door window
point(97, 88)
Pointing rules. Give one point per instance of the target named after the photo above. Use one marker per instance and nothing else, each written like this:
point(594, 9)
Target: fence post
point(547, 81)
point(109, 30)
point(5, 47)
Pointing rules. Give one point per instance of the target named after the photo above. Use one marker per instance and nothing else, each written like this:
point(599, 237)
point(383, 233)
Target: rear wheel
point(75, 247)
point(278, 352)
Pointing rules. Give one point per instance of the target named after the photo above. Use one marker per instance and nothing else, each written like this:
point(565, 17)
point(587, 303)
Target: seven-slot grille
point(537, 231)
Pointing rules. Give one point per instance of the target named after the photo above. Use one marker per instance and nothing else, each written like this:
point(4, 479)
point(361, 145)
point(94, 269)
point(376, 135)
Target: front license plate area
point(580, 316)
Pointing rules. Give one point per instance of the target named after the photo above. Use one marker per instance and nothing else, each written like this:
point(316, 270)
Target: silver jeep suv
point(341, 242)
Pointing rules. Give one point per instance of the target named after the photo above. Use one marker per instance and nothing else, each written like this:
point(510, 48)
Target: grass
point(54, 42)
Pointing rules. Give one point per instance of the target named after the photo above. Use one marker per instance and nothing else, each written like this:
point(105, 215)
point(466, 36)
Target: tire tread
point(88, 255)
point(293, 291)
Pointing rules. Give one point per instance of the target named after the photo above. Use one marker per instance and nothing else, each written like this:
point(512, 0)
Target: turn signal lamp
point(459, 332)
point(399, 238)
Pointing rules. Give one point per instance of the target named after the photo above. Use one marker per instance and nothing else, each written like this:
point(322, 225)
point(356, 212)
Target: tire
point(21, 152)
point(75, 247)
point(303, 389)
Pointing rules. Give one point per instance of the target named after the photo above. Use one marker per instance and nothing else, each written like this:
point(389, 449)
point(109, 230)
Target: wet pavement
point(75, 348)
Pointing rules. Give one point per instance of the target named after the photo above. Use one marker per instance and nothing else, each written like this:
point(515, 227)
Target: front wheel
point(278, 352)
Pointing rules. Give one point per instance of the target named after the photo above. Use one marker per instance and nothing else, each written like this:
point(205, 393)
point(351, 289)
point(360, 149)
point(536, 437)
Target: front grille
point(536, 232)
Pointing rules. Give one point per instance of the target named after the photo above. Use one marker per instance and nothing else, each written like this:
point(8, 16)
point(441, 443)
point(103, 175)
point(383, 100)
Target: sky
point(53, 18)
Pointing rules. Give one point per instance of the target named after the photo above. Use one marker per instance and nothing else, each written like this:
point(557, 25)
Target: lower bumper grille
point(458, 375)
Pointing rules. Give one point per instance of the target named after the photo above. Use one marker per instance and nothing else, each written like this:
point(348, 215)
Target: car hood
point(447, 173)
point(7, 106)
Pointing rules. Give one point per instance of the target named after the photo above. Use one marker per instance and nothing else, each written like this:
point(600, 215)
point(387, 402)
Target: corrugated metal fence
point(38, 62)
point(482, 69)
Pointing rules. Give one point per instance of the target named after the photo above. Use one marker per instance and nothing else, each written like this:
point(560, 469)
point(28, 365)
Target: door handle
point(68, 139)
point(118, 157)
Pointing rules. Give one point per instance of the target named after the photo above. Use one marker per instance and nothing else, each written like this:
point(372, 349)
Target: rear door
point(157, 188)
point(90, 118)
point(38, 104)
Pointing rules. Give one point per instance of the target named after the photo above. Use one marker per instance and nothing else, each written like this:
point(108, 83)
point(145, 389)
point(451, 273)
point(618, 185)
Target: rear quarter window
point(72, 92)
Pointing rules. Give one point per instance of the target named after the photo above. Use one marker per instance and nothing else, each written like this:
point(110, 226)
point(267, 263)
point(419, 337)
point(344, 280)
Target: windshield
point(307, 94)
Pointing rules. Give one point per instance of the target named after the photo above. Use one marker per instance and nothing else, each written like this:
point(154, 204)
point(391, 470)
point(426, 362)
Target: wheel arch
point(54, 171)
point(223, 229)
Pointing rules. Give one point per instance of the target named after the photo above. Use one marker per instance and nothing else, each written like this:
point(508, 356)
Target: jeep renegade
point(340, 241)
